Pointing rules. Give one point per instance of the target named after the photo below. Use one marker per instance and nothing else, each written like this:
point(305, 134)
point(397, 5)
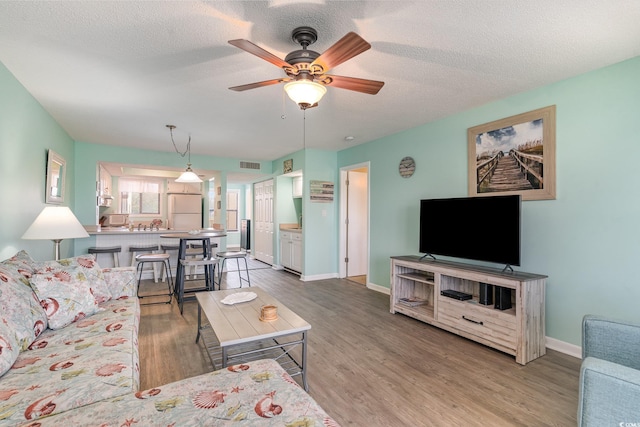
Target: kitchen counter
point(123, 230)
point(291, 227)
point(125, 238)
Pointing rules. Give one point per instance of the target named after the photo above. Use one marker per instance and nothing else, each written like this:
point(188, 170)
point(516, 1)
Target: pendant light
point(188, 175)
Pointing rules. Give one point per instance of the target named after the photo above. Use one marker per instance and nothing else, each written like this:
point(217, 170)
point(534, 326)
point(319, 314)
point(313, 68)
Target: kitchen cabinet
point(104, 188)
point(184, 187)
point(291, 250)
point(297, 187)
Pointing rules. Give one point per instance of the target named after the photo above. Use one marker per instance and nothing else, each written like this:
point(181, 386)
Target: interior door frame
point(342, 268)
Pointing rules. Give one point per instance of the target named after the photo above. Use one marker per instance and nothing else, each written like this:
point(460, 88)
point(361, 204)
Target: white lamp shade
point(305, 91)
point(188, 176)
point(55, 223)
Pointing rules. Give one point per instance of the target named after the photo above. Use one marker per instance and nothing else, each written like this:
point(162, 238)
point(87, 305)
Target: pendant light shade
point(305, 93)
point(188, 176)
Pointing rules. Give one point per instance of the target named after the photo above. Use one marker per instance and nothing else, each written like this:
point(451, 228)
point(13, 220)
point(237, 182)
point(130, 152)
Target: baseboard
point(564, 347)
point(319, 277)
point(378, 288)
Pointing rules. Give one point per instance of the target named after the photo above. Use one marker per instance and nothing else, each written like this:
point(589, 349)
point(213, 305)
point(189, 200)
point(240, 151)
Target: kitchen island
point(121, 236)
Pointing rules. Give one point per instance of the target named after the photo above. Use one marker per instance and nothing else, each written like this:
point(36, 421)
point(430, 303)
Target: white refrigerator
point(184, 212)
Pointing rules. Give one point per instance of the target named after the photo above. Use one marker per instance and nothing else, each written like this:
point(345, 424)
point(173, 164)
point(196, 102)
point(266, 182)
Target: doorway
point(354, 223)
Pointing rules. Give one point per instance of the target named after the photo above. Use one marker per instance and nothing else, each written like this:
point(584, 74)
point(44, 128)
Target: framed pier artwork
point(514, 155)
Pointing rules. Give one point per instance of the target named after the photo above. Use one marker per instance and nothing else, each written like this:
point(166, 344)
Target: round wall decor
point(407, 167)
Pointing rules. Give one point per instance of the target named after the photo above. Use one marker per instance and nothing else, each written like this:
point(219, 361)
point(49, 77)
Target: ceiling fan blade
point(344, 49)
point(371, 87)
point(256, 50)
point(259, 84)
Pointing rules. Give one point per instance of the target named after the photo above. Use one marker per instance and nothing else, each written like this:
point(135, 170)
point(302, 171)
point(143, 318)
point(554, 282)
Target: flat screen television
point(476, 228)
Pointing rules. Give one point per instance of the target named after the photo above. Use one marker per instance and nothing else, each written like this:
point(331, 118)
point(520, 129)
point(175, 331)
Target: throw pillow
point(18, 303)
point(9, 347)
point(65, 295)
point(92, 272)
point(22, 262)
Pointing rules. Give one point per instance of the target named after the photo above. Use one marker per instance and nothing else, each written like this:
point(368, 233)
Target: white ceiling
point(117, 72)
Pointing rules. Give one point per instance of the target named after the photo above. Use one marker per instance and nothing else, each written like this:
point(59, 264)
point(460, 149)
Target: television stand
point(515, 327)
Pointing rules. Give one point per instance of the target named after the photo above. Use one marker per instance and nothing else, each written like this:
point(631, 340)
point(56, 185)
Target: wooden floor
point(367, 367)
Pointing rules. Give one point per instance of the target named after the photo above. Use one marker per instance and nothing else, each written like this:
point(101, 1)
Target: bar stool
point(237, 255)
point(164, 247)
point(209, 265)
point(194, 251)
point(107, 250)
point(142, 259)
point(145, 249)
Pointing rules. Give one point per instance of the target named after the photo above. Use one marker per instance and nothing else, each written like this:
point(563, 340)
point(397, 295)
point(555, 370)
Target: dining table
point(203, 236)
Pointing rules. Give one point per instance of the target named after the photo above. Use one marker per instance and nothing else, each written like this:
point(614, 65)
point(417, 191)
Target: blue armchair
point(610, 373)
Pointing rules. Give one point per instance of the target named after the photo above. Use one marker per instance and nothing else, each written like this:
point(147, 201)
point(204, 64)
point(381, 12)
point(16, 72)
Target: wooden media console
point(518, 330)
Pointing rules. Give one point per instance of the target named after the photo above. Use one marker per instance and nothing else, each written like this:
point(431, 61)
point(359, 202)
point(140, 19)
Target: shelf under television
point(418, 277)
point(420, 312)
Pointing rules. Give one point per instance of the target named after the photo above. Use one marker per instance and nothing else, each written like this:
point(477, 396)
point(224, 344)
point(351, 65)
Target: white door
point(357, 205)
point(263, 208)
point(268, 205)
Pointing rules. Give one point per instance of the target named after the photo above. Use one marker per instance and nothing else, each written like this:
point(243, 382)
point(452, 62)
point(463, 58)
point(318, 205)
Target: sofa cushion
point(258, 393)
point(18, 303)
point(90, 360)
point(65, 295)
point(90, 270)
point(9, 347)
point(22, 262)
point(121, 281)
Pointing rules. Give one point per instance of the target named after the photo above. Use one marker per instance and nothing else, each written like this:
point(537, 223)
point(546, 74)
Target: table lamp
point(55, 223)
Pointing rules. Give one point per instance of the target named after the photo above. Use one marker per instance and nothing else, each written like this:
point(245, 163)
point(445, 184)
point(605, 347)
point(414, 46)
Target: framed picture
point(56, 169)
point(321, 191)
point(515, 155)
point(287, 166)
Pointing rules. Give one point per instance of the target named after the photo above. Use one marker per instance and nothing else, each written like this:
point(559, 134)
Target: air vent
point(249, 165)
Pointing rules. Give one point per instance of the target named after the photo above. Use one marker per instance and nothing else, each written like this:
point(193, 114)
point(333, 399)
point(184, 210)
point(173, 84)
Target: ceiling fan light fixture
point(305, 93)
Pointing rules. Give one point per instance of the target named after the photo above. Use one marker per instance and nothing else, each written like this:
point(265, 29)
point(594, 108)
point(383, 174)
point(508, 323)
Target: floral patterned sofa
point(69, 356)
point(258, 393)
point(68, 335)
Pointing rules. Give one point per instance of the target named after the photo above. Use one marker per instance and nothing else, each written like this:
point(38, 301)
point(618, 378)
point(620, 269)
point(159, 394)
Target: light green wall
point(27, 131)
point(320, 235)
point(586, 241)
point(320, 220)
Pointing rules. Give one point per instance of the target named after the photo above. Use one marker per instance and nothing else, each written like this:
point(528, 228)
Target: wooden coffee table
point(240, 336)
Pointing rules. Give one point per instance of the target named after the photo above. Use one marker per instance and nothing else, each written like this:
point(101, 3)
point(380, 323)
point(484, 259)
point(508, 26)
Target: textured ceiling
point(118, 72)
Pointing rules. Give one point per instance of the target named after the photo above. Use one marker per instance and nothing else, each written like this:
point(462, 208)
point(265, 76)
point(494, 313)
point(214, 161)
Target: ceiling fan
point(306, 69)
